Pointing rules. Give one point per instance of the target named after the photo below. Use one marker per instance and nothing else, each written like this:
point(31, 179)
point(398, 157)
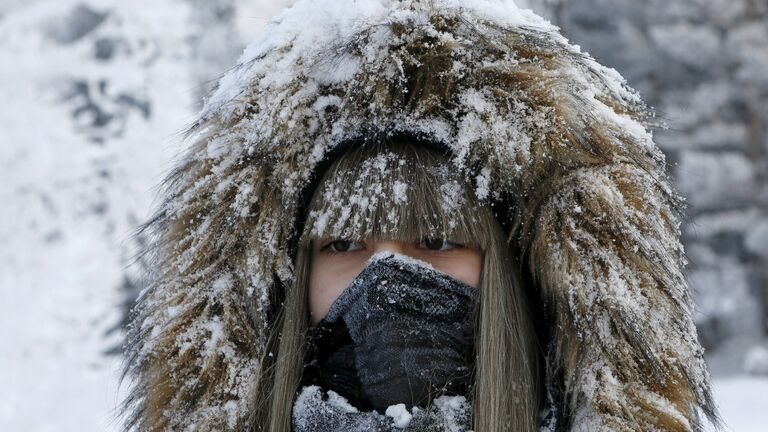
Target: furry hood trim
point(526, 117)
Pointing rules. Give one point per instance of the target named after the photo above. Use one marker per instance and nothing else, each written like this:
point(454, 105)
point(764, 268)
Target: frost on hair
point(390, 194)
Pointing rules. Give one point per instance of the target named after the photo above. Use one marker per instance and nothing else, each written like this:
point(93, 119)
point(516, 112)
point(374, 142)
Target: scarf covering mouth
point(397, 339)
point(411, 328)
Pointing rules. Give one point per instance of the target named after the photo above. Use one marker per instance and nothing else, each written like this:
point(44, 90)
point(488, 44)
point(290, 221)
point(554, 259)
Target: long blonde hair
point(400, 191)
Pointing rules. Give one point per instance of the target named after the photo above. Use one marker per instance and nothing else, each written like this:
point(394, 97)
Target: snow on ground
point(743, 402)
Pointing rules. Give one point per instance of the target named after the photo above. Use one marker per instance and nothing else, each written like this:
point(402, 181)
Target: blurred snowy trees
point(93, 94)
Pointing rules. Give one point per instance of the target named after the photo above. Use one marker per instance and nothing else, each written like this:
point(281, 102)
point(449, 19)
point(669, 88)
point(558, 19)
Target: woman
point(342, 130)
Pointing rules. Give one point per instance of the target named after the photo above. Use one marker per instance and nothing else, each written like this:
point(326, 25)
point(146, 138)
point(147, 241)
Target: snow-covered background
point(94, 93)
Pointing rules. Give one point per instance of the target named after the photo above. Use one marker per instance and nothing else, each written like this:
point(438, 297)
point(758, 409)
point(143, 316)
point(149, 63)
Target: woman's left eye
point(437, 244)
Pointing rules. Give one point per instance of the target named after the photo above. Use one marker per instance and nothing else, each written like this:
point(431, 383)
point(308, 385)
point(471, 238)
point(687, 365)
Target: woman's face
point(335, 262)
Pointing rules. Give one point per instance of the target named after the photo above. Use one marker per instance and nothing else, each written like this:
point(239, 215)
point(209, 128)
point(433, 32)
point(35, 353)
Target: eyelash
point(329, 250)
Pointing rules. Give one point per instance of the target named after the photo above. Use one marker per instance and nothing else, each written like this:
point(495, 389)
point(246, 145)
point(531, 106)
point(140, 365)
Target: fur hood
point(525, 115)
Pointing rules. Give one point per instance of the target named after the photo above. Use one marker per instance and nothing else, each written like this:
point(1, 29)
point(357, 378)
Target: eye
point(437, 244)
point(341, 245)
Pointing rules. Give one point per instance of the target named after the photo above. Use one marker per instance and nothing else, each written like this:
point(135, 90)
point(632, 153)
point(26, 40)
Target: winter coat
point(524, 114)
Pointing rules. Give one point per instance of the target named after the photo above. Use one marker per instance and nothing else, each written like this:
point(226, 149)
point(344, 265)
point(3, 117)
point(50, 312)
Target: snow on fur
point(524, 115)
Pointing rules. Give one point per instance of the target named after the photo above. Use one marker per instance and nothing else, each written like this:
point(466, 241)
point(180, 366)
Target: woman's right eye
point(339, 246)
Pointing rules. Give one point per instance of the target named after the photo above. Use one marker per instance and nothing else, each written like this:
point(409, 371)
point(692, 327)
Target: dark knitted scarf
point(394, 352)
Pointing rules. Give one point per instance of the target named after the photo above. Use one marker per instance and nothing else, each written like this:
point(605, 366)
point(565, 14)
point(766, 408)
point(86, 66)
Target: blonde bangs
point(396, 191)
